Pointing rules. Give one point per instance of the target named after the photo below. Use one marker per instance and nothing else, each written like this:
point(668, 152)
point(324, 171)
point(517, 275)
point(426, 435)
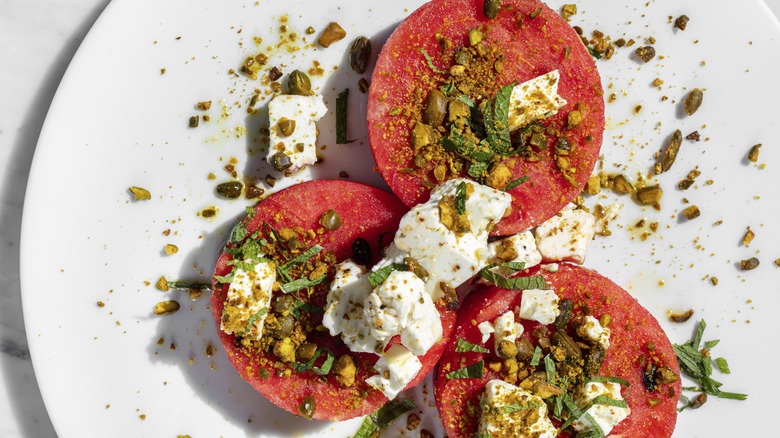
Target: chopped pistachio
point(649, 195)
point(749, 264)
point(171, 249)
point(681, 22)
point(568, 10)
point(753, 154)
point(140, 194)
point(748, 237)
point(332, 33)
point(166, 307)
point(645, 53)
point(194, 121)
point(693, 101)
point(691, 212)
point(204, 106)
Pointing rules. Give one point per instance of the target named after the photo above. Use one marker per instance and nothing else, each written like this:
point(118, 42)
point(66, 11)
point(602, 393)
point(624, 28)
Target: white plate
point(117, 122)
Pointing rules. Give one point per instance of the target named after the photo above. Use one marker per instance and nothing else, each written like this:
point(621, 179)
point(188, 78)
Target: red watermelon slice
point(530, 40)
point(637, 345)
point(366, 213)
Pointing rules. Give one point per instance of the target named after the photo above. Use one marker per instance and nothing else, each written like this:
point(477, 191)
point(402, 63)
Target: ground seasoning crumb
point(693, 136)
point(748, 237)
point(140, 194)
point(714, 281)
point(777, 262)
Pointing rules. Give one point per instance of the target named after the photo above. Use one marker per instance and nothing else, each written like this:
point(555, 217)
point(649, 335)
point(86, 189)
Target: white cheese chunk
point(565, 236)
point(606, 416)
point(539, 305)
point(486, 328)
point(447, 257)
point(301, 145)
point(593, 330)
point(510, 411)
point(248, 297)
point(605, 215)
point(400, 305)
point(397, 367)
point(506, 329)
point(535, 99)
point(520, 247)
point(344, 308)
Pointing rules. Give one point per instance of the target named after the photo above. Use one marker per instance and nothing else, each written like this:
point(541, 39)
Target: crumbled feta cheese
point(248, 297)
point(604, 216)
point(606, 416)
point(344, 308)
point(565, 236)
point(447, 257)
point(486, 328)
point(593, 330)
point(400, 305)
point(397, 367)
point(550, 267)
point(539, 305)
point(301, 145)
point(520, 247)
point(511, 412)
point(506, 329)
point(535, 99)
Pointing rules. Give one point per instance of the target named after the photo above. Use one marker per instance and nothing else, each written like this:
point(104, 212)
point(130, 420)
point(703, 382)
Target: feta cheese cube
point(510, 411)
point(565, 236)
point(605, 416)
point(520, 247)
point(486, 328)
point(448, 257)
point(539, 305)
point(593, 330)
point(248, 297)
point(506, 329)
point(344, 308)
point(397, 367)
point(535, 99)
point(301, 144)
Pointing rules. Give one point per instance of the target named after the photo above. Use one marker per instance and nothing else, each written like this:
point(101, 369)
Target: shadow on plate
point(188, 338)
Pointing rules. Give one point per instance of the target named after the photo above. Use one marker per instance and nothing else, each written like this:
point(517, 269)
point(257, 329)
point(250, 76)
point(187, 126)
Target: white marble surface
point(39, 38)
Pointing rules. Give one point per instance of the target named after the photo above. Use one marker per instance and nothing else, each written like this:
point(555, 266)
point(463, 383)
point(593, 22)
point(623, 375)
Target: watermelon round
point(534, 40)
point(366, 213)
point(636, 340)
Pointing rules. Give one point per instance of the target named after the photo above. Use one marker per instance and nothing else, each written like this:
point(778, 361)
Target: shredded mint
point(698, 366)
point(478, 170)
point(515, 183)
point(188, 285)
point(252, 319)
point(302, 306)
point(326, 366)
point(536, 357)
point(383, 416)
point(464, 346)
point(341, 117)
point(460, 198)
point(473, 371)
point(302, 283)
point(513, 283)
point(302, 258)
point(605, 379)
point(431, 65)
point(514, 407)
point(380, 275)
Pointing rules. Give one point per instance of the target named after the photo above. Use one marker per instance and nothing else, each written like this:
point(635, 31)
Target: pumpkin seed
point(645, 53)
point(649, 195)
point(435, 108)
point(670, 154)
point(299, 84)
point(360, 54)
point(693, 101)
point(281, 162)
point(333, 32)
point(230, 189)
